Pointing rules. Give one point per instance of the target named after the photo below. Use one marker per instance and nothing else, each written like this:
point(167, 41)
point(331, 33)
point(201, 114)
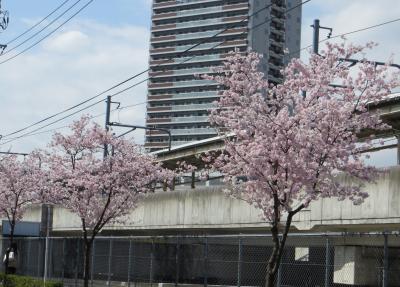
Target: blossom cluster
point(293, 139)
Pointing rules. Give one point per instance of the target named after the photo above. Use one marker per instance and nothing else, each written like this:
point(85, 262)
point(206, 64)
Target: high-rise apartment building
point(178, 99)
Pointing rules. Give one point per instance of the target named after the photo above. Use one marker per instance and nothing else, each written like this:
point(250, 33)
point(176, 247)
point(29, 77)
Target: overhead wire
point(134, 76)
point(66, 126)
point(145, 80)
point(51, 123)
point(348, 33)
point(125, 89)
point(38, 23)
point(48, 34)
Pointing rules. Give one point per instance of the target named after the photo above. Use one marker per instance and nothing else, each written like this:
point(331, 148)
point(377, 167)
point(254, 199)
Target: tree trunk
point(12, 227)
point(86, 268)
point(274, 259)
point(270, 278)
point(279, 244)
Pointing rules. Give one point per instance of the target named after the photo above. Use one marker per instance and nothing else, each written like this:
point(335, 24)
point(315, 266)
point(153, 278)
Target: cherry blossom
point(292, 140)
point(22, 183)
point(99, 190)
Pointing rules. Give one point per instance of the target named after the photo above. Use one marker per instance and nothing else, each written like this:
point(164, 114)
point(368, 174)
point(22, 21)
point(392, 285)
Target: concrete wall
point(32, 214)
point(208, 209)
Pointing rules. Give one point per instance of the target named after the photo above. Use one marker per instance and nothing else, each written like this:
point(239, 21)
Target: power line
point(136, 84)
point(145, 80)
point(362, 29)
point(132, 77)
point(51, 123)
point(65, 126)
point(49, 34)
point(349, 33)
point(37, 24)
point(335, 36)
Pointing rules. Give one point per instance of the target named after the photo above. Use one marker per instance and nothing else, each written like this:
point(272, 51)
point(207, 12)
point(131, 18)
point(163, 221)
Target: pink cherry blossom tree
point(290, 147)
point(99, 190)
point(20, 183)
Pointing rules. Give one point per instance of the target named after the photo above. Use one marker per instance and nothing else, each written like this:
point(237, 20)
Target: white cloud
point(345, 16)
point(83, 59)
point(87, 57)
point(69, 41)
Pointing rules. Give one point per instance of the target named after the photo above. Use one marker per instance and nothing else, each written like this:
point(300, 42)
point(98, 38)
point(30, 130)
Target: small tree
point(19, 188)
point(99, 191)
point(289, 147)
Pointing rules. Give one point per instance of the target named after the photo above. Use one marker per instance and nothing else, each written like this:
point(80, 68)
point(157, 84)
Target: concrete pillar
point(353, 267)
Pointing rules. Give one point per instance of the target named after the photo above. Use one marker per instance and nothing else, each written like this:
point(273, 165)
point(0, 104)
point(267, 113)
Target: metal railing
point(235, 260)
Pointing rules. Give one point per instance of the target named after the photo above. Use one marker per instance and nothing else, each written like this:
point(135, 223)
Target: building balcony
point(199, 23)
point(205, 46)
point(197, 35)
point(201, 11)
point(272, 78)
point(194, 107)
point(274, 42)
point(182, 96)
point(183, 132)
point(276, 54)
point(171, 4)
point(181, 72)
point(277, 30)
point(275, 66)
point(156, 144)
point(174, 120)
point(181, 84)
point(280, 20)
point(178, 108)
point(281, 9)
point(186, 60)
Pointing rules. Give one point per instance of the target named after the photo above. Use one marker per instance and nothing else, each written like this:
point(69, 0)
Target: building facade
point(178, 99)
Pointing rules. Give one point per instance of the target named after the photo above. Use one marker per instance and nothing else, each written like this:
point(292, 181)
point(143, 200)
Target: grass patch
point(26, 281)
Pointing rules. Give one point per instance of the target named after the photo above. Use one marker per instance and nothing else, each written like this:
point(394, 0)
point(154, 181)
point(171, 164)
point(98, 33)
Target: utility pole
point(315, 36)
point(132, 127)
point(46, 252)
point(316, 26)
point(107, 123)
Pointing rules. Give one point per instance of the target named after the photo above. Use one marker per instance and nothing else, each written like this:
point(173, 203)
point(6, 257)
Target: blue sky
point(107, 43)
point(120, 12)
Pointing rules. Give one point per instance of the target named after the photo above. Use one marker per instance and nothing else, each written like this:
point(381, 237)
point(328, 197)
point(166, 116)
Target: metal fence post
point(38, 259)
point(385, 282)
point(327, 262)
point(177, 262)
point(151, 261)
point(50, 270)
point(93, 260)
point(205, 255)
point(63, 261)
point(129, 262)
point(239, 263)
point(109, 263)
point(28, 257)
point(77, 262)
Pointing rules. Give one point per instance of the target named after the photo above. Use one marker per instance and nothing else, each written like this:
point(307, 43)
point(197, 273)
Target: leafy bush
point(25, 281)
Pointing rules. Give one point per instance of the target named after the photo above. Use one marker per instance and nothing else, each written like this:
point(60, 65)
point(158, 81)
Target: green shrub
point(26, 281)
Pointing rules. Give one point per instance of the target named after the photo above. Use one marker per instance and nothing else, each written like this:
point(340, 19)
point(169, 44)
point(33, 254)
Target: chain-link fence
point(239, 260)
